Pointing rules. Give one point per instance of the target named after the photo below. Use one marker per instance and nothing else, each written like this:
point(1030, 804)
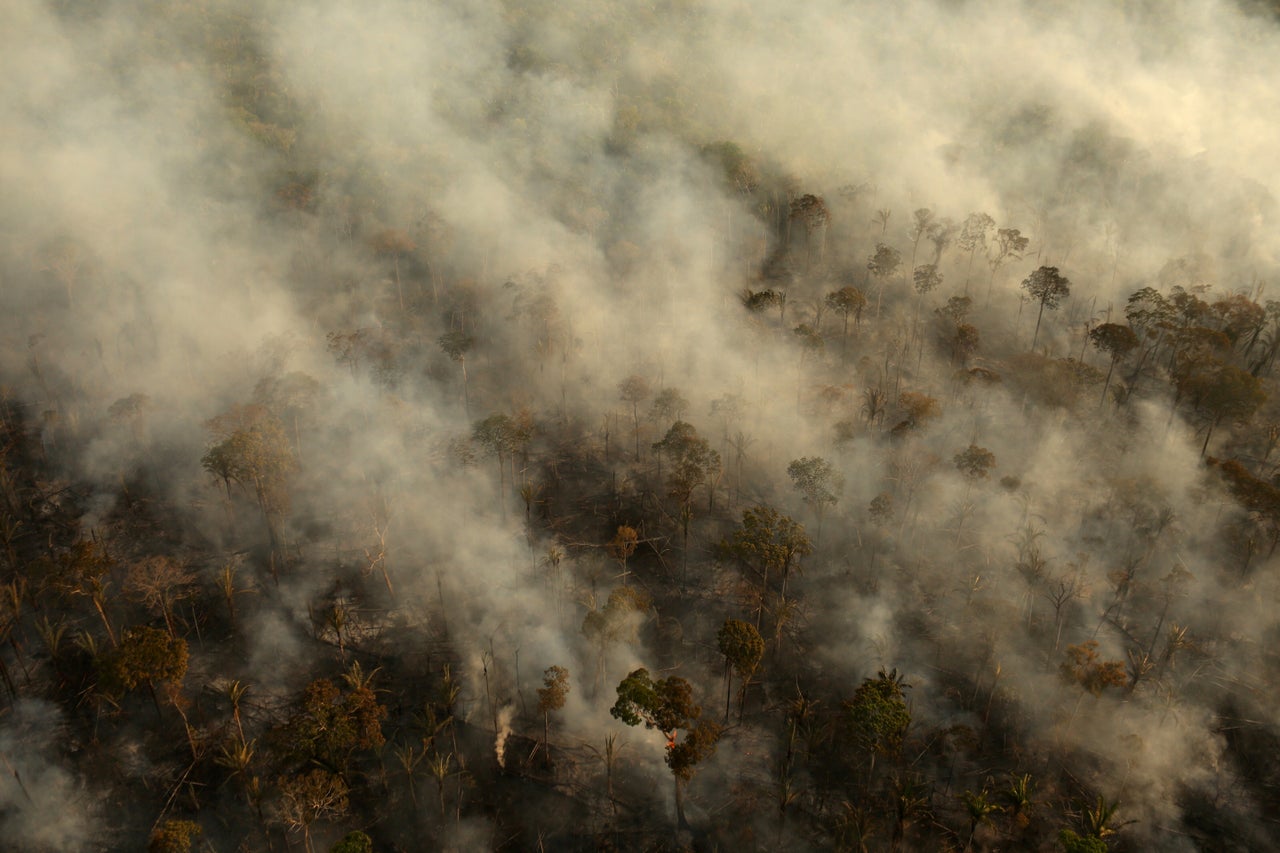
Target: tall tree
point(635, 390)
point(973, 236)
point(818, 482)
point(693, 463)
point(1116, 341)
point(878, 716)
point(667, 705)
point(551, 697)
point(1048, 287)
point(847, 300)
point(743, 649)
point(1009, 246)
point(769, 543)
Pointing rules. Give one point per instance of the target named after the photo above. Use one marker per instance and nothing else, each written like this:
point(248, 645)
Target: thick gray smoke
point(197, 203)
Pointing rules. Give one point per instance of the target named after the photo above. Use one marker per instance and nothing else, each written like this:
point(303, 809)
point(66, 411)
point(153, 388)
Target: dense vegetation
point(464, 427)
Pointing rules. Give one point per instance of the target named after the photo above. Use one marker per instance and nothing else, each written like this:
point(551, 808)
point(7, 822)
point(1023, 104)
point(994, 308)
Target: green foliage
point(174, 836)
point(885, 261)
point(667, 705)
point(692, 460)
point(741, 645)
point(877, 715)
point(1047, 286)
point(848, 301)
point(817, 480)
point(1073, 843)
point(145, 656)
point(1114, 339)
point(975, 463)
point(329, 724)
point(926, 278)
point(353, 842)
point(619, 619)
point(769, 540)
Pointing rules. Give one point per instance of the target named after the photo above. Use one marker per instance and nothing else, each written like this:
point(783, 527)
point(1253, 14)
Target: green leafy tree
point(1115, 340)
point(770, 543)
point(617, 621)
point(253, 451)
point(669, 405)
point(667, 705)
point(743, 649)
point(877, 716)
point(975, 462)
point(847, 301)
point(818, 482)
point(692, 464)
point(1048, 287)
point(1221, 392)
point(353, 842)
point(145, 656)
point(883, 264)
point(330, 724)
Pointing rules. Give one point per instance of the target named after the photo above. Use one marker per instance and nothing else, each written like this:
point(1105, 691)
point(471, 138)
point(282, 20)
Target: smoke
point(199, 200)
point(505, 715)
point(43, 806)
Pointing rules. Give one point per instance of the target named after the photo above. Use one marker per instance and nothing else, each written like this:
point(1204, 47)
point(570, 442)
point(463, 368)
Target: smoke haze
point(291, 203)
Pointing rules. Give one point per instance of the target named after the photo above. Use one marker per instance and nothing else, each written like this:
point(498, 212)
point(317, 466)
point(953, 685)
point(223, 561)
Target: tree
point(310, 797)
point(551, 697)
point(456, 344)
point(693, 463)
point(1225, 392)
point(917, 410)
point(812, 211)
point(669, 405)
point(501, 436)
point(619, 619)
point(975, 463)
point(329, 724)
point(1046, 286)
point(921, 223)
point(159, 582)
point(743, 649)
point(174, 836)
point(667, 705)
point(877, 716)
point(818, 482)
point(973, 236)
point(1084, 667)
point(771, 543)
point(1010, 244)
point(635, 390)
point(883, 263)
point(1116, 341)
point(847, 300)
point(254, 451)
point(145, 656)
point(353, 842)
